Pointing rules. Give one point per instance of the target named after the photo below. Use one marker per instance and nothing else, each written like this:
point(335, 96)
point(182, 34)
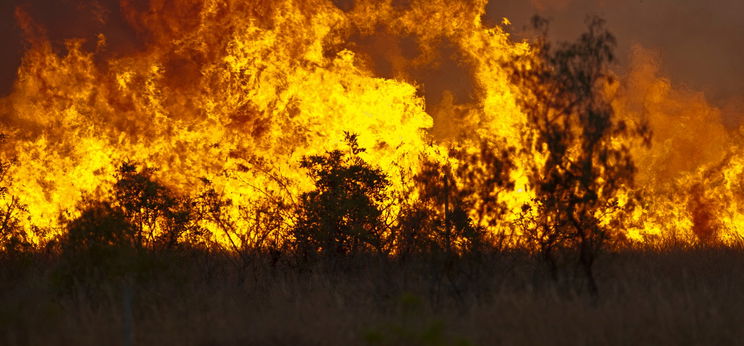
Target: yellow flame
point(244, 85)
point(238, 92)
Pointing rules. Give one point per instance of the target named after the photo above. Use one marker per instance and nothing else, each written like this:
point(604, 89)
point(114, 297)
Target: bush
point(343, 215)
point(98, 246)
point(160, 217)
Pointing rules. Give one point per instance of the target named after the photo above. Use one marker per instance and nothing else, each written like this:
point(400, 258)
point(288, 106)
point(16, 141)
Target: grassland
point(675, 296)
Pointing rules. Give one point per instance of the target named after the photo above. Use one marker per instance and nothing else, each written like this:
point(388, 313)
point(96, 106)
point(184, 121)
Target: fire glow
point(230, 95)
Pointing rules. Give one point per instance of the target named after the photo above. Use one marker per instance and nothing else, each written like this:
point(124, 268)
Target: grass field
point(690, 296)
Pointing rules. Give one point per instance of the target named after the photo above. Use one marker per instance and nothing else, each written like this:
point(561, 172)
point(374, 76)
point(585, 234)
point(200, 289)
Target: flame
point(240, 91)
point(237, 92)
point(691, 174)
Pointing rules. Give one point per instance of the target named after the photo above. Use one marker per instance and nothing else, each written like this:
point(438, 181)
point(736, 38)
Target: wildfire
point(232, 94)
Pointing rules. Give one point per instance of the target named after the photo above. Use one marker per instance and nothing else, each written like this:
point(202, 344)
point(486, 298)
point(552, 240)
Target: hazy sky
point(700, 42)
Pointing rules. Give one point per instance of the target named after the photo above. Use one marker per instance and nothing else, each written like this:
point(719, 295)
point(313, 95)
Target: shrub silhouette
point(159, 216)
point(543, 235)
point(456, 204)
point(13, 237)
point(343, 215)
point(482, 176)
point(127, 234)
point(442, 212)
point(100, 227)
point(571, 123)
point(99, 246)
point(265, 217)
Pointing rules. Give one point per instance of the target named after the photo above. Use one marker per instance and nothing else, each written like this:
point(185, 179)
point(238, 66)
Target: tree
point(343, 215)
point(574, 131)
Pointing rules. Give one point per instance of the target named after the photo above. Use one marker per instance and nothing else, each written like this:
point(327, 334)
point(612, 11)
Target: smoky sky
point(61, 20)
point(700, 42)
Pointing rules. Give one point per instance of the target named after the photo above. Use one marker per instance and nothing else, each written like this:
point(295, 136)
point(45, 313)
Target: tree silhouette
point(343, 215)
point(572, 128)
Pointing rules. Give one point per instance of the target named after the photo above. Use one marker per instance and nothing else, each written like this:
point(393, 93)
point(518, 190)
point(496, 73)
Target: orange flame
point(236, 92)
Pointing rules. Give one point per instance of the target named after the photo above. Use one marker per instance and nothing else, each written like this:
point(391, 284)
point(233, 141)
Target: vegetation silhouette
point(13, 238)
point(159, 216)
point(131, 235)
point(344, 214)
point(457, 204)
point(99, 245)
point(454, 207)
point(571, 124)
point(429, 265)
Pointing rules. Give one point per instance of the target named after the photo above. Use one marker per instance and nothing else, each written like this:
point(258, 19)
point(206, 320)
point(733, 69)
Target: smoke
point(700, 43)
point(10, 55)
point(441, 69)
point(61, 20)
point(697, 46)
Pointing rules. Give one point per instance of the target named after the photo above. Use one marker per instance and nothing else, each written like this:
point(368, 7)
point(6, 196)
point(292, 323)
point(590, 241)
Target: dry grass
point(672, 297)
